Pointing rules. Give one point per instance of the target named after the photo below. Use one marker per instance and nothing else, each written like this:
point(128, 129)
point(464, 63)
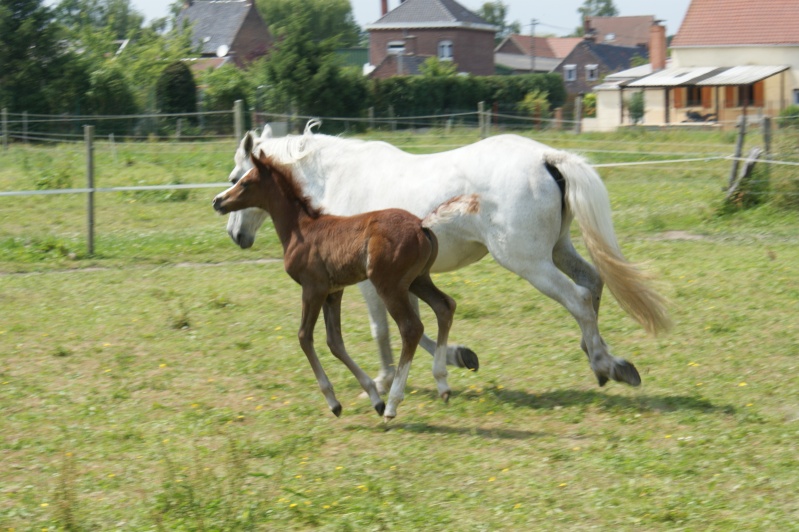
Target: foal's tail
point(587, 198)
point(453, 207)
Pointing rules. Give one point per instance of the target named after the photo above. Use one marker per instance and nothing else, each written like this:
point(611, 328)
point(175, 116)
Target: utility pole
point(533, 23)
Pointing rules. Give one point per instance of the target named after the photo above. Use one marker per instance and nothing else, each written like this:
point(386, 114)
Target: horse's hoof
point(467, 358)
point(603, 380)
point(445, 396)
point(624, 371)
point(387, 419)
point(336, 410)
point(380, 407)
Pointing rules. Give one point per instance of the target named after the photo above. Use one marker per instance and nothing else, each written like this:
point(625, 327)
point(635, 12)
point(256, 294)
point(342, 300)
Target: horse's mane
point(284, 177)
point(294, 149)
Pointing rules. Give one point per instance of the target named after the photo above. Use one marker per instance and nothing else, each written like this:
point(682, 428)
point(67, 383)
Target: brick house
point(521, 53)
point(228, 31)
point(589, 62)
point(729, 58)
point(403, 38)
point(619, 31)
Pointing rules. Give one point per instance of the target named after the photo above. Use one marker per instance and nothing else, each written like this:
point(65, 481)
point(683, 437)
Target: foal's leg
point(378, 321)
point(311, 305)
point(332, 310)
point(444, 308)
point(411, 330)
point(457, 355)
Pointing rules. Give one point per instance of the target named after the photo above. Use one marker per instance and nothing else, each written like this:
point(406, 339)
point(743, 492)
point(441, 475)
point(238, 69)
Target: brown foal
point(392, 248)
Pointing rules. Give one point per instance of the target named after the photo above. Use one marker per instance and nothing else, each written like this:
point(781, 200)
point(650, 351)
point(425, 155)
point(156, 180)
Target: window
point(396, 47)
point(570, 72)
point(796, 96)
point(693, 96)
point(591, 72)
point(445, 50)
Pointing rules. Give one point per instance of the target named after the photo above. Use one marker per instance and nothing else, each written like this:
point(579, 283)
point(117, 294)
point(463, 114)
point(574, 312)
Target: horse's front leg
point(311, 305)
point(444, 308)
point(378, 321)
point(332, 311)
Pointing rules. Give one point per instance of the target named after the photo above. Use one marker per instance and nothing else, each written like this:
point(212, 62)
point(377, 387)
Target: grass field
point(159, 385)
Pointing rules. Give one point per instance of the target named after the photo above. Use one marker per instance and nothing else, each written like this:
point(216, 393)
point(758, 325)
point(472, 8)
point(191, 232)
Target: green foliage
point(597, 8)
point(536, 104)
point(635, 106)
point(433, 67)
point(589, 105)
point(496, 14)
point(789, 117)
point(223, 86)
point(176, 90)
point(324, 20)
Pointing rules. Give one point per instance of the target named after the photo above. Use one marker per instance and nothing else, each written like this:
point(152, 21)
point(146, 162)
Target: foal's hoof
point(624, 371)
point(603, 380)
point(445, 396)
point(380, 407)
point(467, 358)
point(337, 410)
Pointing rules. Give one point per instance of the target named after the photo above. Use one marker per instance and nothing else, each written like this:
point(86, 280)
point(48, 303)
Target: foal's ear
point(262, 167)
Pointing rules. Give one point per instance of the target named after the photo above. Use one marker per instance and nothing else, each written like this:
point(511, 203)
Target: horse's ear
point(267, 132)
point(247, 143)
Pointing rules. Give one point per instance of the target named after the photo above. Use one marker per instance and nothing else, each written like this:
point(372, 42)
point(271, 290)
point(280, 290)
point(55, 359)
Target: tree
point(176, 91)
point(597, 8)
point(433, 67)
point(495, 13)
point(635, 106)
point(326, 19)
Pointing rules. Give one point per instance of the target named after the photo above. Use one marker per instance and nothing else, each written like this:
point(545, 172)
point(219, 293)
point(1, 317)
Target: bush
point(789, 117)
point(176, 91)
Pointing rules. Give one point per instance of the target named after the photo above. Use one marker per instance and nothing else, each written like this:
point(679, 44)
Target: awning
point(742, 75)
point(708, 76)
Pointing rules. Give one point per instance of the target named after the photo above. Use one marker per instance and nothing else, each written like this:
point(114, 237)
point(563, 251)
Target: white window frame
point(569, 72)
point(395, 47)
point(445, 50)
point(591, 72)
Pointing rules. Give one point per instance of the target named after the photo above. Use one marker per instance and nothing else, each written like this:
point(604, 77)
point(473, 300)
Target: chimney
point(587, 26)
point(410, 45)
point(657, 46)
point(383, 7)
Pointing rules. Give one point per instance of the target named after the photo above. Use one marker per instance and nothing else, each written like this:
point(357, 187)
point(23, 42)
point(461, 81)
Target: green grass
point(159, 384)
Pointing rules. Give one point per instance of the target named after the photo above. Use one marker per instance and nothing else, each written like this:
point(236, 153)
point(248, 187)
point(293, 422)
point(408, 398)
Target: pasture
point(159, 384)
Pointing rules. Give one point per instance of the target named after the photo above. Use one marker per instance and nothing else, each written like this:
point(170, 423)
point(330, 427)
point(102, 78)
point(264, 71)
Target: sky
point(557, 18)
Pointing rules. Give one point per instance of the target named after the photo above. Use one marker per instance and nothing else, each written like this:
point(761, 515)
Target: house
point(519, 54)
point(403, 38)
point(619, 31)
point(729, 58)
point(590, 61)
point(225, 31)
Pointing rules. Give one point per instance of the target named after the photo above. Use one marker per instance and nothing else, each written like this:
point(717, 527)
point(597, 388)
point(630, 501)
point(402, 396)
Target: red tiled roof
point(622, 31)
point(739, 22)
point(554, 47)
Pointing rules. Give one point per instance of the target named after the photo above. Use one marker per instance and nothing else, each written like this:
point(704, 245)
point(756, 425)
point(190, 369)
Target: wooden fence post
point(739, 146)
point(88, 134)
point(578, 114)
point(481, 118)
point(5, 128)
point(238, 119)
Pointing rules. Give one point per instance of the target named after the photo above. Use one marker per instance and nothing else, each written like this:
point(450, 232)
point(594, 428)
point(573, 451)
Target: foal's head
point(253, 189)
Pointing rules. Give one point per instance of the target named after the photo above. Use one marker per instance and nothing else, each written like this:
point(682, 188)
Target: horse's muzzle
point(217, 204)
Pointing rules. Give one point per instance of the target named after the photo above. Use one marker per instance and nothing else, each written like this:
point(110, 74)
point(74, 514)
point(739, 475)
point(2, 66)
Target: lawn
point(159, 384)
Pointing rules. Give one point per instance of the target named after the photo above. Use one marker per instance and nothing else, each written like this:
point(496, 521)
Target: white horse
point(529, 194)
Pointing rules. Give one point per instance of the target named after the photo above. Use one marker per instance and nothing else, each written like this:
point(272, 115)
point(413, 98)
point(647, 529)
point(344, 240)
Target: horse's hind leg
point(332, 310)
point(311, 305)
point(578, 300)
point(444, 308)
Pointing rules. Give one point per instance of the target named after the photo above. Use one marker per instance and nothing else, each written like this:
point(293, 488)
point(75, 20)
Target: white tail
point(464, 204)
point(587, 198)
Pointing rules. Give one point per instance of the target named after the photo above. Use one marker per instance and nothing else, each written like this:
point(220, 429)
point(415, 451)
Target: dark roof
point(214, 23)
point(615, 57)
point(430, 13)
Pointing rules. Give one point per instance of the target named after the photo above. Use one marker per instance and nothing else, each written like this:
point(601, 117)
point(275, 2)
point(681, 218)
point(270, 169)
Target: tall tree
point(597, 8)
point(496, 13)
point(327, 19)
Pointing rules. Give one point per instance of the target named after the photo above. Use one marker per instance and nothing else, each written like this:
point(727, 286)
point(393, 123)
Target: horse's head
point(243, 224)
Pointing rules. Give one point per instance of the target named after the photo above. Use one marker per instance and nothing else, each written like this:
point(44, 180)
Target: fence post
point(481, 118)
point(578, 114)
point(5, 129)
point(372, 118)
point(88, 134)
point(25, 127)
point(739, 146)
point(238, 118)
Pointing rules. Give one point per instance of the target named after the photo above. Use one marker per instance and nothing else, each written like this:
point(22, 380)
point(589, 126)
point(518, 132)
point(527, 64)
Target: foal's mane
point(284, 177)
